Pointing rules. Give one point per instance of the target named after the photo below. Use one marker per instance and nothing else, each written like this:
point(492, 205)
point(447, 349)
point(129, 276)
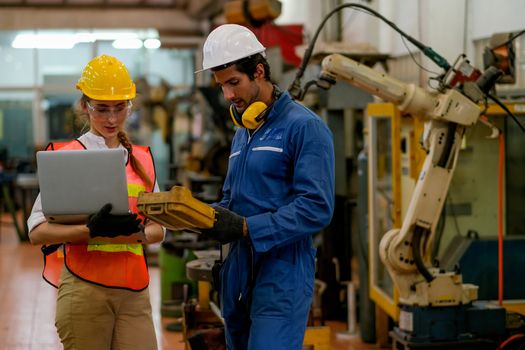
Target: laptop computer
point(77, 183)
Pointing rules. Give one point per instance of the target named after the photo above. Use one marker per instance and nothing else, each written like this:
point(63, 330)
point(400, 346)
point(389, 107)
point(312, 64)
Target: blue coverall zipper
point(243, 156)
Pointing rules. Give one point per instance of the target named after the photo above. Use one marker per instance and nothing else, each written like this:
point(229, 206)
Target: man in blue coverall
point(278, 192)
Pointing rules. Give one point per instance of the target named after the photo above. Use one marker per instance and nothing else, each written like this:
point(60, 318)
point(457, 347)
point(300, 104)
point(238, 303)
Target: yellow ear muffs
point(252, 117)
point(237, 119)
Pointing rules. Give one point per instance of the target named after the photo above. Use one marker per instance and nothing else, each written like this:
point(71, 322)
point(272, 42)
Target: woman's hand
point(104, 224)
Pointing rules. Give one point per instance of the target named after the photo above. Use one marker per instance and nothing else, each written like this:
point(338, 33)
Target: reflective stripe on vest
point(93, 245)
point(109, 265)
point(135, 189)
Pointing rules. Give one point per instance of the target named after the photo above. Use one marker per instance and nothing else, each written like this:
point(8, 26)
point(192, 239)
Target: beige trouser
point(90, 317)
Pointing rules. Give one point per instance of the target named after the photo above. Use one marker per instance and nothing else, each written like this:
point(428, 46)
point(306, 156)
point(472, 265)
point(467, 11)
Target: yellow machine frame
point(404, 167)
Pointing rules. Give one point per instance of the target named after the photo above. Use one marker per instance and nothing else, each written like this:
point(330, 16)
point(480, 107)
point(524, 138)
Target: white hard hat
point(229, 43)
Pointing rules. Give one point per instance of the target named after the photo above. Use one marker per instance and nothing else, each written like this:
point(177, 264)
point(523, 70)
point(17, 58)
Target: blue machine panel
point(478, 262)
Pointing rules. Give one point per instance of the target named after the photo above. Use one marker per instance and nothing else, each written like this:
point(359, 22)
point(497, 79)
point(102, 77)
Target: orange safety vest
point(109, 265)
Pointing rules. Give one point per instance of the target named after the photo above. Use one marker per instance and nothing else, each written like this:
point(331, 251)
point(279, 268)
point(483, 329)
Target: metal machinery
point(427, 293)
point(437, 310)
point(435, 306)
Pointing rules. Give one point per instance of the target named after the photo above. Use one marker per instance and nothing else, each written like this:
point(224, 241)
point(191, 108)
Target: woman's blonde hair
point(135, 163)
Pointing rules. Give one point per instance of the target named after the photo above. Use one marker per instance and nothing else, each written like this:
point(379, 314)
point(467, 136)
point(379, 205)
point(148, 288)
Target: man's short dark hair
point(248, 66)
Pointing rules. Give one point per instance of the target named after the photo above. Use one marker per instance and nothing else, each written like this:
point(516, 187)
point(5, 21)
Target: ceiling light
point(127, 44)
point(43, 41)
point(123, 39)
point(152, 43)
point(114, 35)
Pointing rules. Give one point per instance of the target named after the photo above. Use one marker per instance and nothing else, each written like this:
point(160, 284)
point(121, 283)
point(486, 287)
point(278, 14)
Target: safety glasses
point(106, 112)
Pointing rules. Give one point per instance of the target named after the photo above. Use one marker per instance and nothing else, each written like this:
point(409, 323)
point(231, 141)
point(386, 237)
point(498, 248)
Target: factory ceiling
point(172, 18)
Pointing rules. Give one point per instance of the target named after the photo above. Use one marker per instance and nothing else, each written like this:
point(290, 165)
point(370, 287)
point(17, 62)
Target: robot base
point(476, 326)
point(399, 342)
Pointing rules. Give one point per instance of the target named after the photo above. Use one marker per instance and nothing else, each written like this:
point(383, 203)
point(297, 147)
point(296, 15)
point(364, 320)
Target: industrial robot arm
point(447, 114)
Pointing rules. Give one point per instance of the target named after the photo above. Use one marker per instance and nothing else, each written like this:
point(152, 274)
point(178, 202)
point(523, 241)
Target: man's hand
point(104, 224)
point(228, 226)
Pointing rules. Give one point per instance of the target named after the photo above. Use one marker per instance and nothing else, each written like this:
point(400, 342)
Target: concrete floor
point(27, 303)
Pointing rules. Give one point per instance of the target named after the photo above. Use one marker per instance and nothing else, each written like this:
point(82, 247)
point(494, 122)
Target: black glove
point(104, 224)
point(228, 226)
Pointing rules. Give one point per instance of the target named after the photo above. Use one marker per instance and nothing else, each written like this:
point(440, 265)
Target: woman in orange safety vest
point(101, 272)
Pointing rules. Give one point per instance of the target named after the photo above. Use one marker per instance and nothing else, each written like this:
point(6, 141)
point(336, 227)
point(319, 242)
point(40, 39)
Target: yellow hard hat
point(105, 78)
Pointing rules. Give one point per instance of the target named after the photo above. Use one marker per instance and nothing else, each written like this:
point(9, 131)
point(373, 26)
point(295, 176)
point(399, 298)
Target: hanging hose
point(416, 253)
point(510, 339)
